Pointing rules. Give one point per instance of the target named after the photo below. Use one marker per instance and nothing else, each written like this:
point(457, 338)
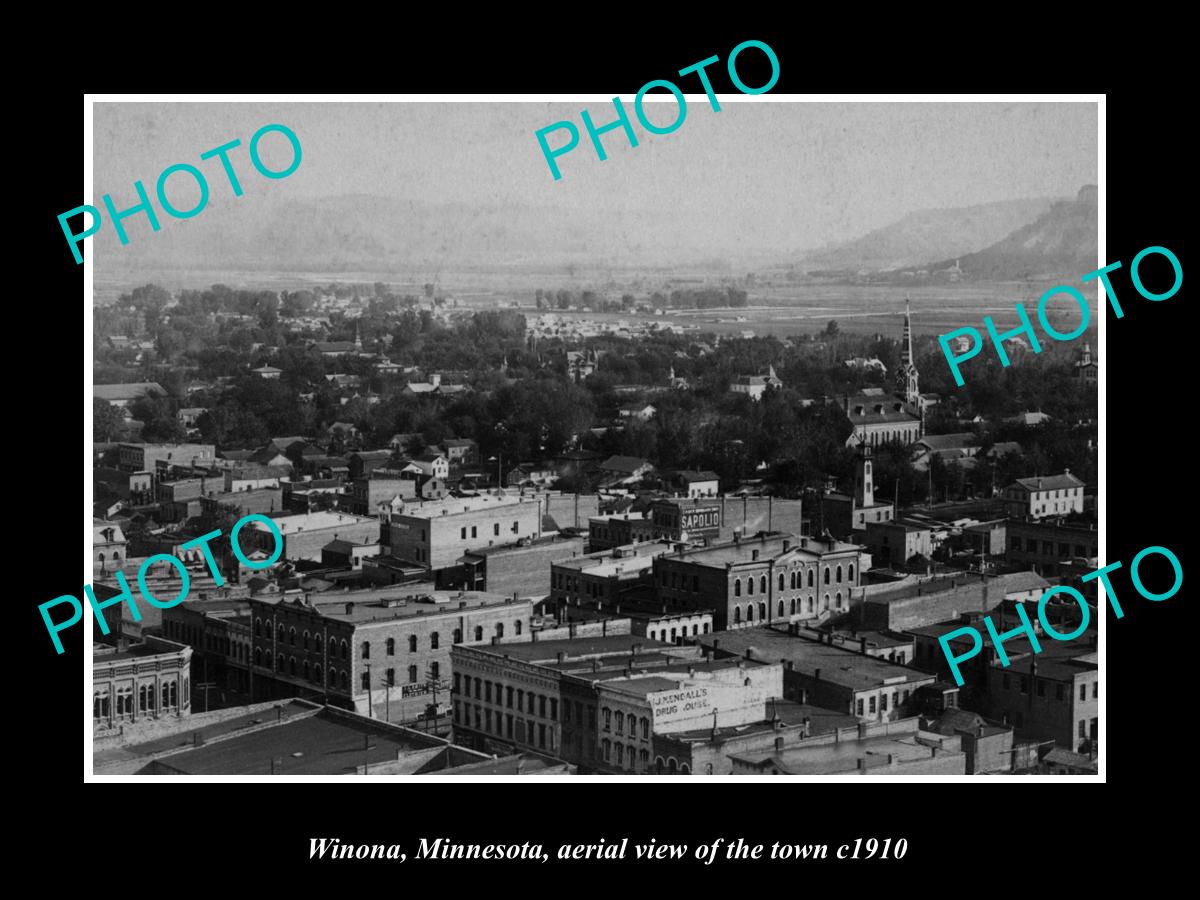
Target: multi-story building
point(1052, 495)
point(563, 697)
point(436, 535)
point(760, 580)
point(136, 682)
point(305, 534)
point(817, 671)
point(894, 543)
point(618, 530)
point(155, 457)
point(916, 602)
point(387, 650)
point(1049, 545)
point(599, 579)
point(218, 631)
point(754, 386)
point(1053, 695)
point(368, 492)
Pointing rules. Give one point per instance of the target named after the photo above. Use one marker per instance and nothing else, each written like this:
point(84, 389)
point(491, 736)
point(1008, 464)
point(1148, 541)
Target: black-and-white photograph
point(526, 438)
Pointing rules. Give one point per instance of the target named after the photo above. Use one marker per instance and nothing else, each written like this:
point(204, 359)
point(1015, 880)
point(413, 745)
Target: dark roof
point(949, 441)
point(690, 477)
point(1050, 482)
point(629, 464)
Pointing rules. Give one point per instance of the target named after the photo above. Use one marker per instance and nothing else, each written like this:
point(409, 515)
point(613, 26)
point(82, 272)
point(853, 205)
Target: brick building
point(305, 534)
point(383, 650)
point(763, 579)
point(135, 682)
point(436, 535)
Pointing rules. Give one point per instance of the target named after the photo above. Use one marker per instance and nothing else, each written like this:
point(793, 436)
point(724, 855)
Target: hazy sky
point(786, 175)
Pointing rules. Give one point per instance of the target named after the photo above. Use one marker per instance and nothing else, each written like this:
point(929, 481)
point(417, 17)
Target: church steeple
point(906, 374)
point(357, 338)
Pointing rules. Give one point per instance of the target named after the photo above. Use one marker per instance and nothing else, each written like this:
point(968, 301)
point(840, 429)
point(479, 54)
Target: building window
point(827, 576)
point(620, 722)
point(307, 671)
point(860, 706)
point(345, 679)
point(458, 635)
point(345, 651)
point(479, 632)
point(366, 650)
point(1083, 728)
point(317, 642)
point(463, 533)
point(850, 573)
point(434, 640)
point(496, 529)
point(607, 718)
point(871, 705)
point(737, 586)
point(737, 615)
point(606, 748)
point(883, 702)
point(366, 681)
point(541, 706)
point(517, 627)
point(554, 710)
point(781, 583)
point(391, 678)
point(391, 646)
point(317, 673)
point(810, 583)
point(1095, 689)
point(499, 629)
point(412, 674)
point(434, 669)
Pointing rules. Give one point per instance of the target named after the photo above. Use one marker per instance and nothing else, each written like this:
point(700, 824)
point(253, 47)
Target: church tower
point(906, 374)
point(357, 339)
point(864, 489)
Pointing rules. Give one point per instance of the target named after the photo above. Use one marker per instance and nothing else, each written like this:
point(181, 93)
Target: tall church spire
point(357, 338)
point(906, 374)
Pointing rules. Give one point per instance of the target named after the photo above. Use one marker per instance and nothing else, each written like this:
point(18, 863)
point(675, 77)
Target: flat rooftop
point(458, 505)
point(846, 667)
point(790, 713)
point(315, 521)
point(827, 759)
point(633, 559)
point(998, 586)
point(324, 743)
point(397, 602)
point(767, 545)
point(105, 653)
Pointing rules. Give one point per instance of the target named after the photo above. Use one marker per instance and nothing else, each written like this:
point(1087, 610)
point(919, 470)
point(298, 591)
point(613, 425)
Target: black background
point(963, 830)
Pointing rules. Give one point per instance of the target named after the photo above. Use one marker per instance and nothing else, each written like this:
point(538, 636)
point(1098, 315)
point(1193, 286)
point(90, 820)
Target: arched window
point(781, 612)
point(317, 642)
point(366, 650)
point(658, 765)
point(517, 626)
point(792, 581)
point(306, 639)
point(750, 586)
point(737, 615)
point(749, 612)
point(781, 581)
point(267, 660)
point(685, 769)
point(672, 766)
point(672, 641)
point(706, 628)
point(762, 612)
point(435, 640)
point(737, 587)
point(291, 665)
point(620, 717)
point(479, 632)
point(827, 575)
point(412, 674)
point(839, 574)
point(838, 600)
point(827, 601)
point(499, 629)
point(762, 585)
point(391, 647)
point(258, 656)
point(810, 577)
point(307, 671)
point(279, 634)
point(292, 636)
point(258, 627)
point(850, 573)
point(793, 606)
point(412, 643)
point(458, 635)
point(317, 673)
point(345, 680)
point(345, 654)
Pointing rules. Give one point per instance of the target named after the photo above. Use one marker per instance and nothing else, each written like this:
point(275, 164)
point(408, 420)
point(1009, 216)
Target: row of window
point(1059, 688)
point(289, 636)
point(794, 582)
point(304, 669)
point(212, 643)
point(534, 734)
point(389, 676)
point(516, 529)
point(898, 697)
point(146, 699)
point(797, 607)
point(1064, 549)
point(619, 719)
point(504, 696)
point(675, 634)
